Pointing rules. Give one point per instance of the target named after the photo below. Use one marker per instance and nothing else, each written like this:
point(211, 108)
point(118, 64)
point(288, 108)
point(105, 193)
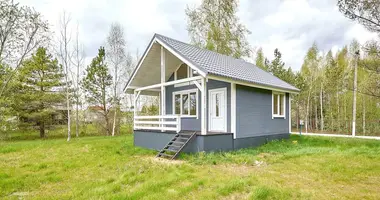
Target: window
point(185, 103)
point(182, 72)
point(278, 105)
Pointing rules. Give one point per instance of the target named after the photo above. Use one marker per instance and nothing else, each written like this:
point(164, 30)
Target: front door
point(218, 110)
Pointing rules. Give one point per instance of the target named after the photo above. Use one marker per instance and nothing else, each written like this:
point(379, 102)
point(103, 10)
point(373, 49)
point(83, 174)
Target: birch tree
point(65, 56)
point(214, 25)
point(78, 62)
point(22, 30)
point(119, 61)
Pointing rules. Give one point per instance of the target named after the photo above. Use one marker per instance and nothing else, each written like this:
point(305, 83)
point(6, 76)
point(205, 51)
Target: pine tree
point(97, 86)
point(39, 87)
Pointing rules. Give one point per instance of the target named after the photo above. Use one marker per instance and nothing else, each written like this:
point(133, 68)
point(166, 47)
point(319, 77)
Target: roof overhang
point(250, 84)
point(148, 69)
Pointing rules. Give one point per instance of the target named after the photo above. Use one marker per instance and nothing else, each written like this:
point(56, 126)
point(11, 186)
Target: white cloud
point(291, 25)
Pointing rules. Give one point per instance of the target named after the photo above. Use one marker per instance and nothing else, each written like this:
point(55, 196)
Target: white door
point(218, 110)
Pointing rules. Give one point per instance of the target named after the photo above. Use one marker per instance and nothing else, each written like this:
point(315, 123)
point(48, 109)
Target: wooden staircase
point(176, 144)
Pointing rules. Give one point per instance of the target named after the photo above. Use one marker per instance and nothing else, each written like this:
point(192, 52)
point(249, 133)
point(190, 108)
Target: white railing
point(161, 123)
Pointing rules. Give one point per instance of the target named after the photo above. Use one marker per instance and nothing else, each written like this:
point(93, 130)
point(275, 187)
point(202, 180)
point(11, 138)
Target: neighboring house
point(229, 102)
point(94, 114)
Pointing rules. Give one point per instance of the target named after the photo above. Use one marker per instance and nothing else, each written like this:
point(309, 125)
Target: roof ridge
point(214, 52)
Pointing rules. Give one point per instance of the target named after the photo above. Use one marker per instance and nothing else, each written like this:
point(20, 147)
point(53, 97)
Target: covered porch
point(155, 74)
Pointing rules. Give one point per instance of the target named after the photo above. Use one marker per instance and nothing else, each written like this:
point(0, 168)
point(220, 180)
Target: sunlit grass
point(112, 168)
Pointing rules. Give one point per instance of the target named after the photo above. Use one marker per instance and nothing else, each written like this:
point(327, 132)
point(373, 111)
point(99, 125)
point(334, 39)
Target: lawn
point(111, 168)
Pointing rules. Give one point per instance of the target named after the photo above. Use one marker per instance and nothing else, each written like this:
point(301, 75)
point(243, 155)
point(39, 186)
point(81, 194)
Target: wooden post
point(134, 108)
point(204, 106)
point(163, 109)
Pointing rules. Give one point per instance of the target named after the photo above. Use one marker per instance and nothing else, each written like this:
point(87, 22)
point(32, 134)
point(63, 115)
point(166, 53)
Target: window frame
point(278, 105)
point(186, 92)
point(189, 75)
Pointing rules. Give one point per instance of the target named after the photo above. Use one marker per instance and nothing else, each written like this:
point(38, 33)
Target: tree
point(119, 61)
point(65, 56)
point(39, 89)
point(309, 71)
point(78, 61)
point(260, 59)
point(215, 26)
point(22, 30)
point(97, 85)
point(366, 12)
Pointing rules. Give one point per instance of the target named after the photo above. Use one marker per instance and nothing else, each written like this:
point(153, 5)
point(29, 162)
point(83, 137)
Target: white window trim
point(188, 93)
point(189, 75)
point(278, 105)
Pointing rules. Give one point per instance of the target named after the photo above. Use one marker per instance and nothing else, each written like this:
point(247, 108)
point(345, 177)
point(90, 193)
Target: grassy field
point(111, 168)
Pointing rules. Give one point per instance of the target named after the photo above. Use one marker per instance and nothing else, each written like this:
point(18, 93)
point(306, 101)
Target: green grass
point(111, 168)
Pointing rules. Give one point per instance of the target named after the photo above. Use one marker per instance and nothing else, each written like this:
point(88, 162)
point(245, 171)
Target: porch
point(182, 92)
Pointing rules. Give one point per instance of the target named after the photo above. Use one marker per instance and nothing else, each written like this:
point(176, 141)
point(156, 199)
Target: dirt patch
point(164, 161)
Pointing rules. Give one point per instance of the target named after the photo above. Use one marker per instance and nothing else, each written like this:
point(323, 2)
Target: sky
point(292, 26)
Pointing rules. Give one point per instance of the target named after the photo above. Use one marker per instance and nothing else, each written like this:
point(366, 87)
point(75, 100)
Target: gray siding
point(195, 124)
point(157, 141)
point(254, 113)
point(258, 140)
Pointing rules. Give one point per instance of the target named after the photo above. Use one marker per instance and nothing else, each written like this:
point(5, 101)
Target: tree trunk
point(316, 113)
point(321, 101)
point(337, 107)
point(114, 121)
point(363, 114)
point(354, 98)
point(42, 129)
point(307, 113)
point(68, 111)
point(77, 119)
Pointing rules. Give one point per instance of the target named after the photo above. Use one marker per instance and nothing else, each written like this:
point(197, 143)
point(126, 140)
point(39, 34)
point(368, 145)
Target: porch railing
point(160, 122)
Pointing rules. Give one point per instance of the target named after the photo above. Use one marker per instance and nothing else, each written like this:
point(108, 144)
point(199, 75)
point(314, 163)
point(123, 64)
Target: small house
point(208, 101)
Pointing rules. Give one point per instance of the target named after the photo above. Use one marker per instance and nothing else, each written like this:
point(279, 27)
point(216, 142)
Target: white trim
point(182, 92)
point(163, 89)
point(157, 117)
point(220, 78)
point(169, 83)
point(203, 74)
point(225, 107)
point(278, 105)
point(233, 109)
point(290, 114)
point(204, 107)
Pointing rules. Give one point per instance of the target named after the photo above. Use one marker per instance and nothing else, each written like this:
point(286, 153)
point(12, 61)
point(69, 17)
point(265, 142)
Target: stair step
point(182, 138)
point(177, 142)
point(166, 155)
point(176, 146)
point(171, 150)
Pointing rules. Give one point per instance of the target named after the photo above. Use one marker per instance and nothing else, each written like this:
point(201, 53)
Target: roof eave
point(252, 84)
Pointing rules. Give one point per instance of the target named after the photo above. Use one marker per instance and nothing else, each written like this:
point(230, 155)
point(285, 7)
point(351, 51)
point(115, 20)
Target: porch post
point(163, 65)
point(134, 108)
point(204, 107)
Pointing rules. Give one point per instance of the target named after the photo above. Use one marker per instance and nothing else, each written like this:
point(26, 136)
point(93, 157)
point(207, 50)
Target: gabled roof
point(213, 63)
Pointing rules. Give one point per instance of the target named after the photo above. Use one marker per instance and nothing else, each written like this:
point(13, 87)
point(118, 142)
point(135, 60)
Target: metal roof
point(226, 66)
